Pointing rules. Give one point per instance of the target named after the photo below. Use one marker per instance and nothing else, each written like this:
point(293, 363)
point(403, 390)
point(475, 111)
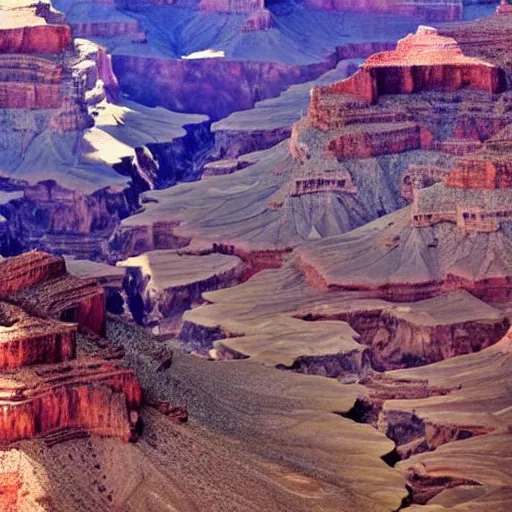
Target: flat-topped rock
point(44, 388)
point(163, 284)
point(279, 319)
point(27, 340)
point(24, 29)
point(422, 61)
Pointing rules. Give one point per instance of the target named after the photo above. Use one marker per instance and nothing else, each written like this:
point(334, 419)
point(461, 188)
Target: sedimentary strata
point(45, 390)
point(445, 10)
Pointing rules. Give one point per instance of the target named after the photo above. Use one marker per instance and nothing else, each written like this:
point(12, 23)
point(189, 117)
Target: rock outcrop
point(161, 285)
point(421, 62)
point(44, 388)
point(258, 20)
point(232, 6)
point(28, 27)
point(63, 141)
point(428, 10)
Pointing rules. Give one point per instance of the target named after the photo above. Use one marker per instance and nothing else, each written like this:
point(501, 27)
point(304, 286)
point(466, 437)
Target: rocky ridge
point(45, 390)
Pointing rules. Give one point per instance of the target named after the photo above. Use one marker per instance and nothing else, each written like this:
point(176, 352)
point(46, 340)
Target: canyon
point(285, 222)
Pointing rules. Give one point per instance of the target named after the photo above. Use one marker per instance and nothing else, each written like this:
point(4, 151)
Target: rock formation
point(346, 149)
point(235, 47)
point(258, 20)
point(428, 10)
point(161, 285)
point(232, 6)
point(45, 389)
point(63, 135)
point(28, 27)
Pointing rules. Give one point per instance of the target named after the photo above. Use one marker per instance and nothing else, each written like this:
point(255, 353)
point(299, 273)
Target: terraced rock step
point(44, 388)
point(66, 434)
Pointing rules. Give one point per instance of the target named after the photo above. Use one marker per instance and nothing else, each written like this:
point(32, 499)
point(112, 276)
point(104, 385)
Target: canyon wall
point(215, 87)
point(444, 10)
point(57, 394)
point(43, 39)
point(99, 403)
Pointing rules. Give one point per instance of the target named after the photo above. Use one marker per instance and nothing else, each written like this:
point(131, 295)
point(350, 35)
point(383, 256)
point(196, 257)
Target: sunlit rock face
point(41, 308)
point(26, 27)
point(64, 141)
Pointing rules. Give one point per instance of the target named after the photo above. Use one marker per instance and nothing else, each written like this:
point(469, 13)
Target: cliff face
point(98, 401)
point(28, 340)
point(399, 343)
point(36, 39)
point(28, 27)
point(161, 285)
point(445, 10)
point(390, 105)
point(60, 392)
point(29, 81)
point(421, 62)
point(222, 85)
point(481, 171)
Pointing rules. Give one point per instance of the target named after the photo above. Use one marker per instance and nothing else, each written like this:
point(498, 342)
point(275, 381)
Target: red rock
point(38, 39)
point(481, 171)
point(27, 270)
point(94, 396)
point(175, 413)
point(28, 27)
point(61, 392)
point(366, 143)
point(27, 340)
point(421, 62)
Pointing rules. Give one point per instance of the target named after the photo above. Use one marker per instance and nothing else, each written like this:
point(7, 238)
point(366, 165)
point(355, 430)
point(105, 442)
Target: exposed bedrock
point(233, 143)
point(161, 285)
point(40, 285)
point(27, 340)
point(258, 20)
point(270, 121)
point(109, 277)
point(219, 86)
point(163, 164)
point(101, 406)
point(44, 39)
point(215, 87)
point(445, 10)
point(55, 394)
point(51, 217)
point(413, 434)
point(405, 336)
point(340, 366)
point(132, 241)
point(201, 338)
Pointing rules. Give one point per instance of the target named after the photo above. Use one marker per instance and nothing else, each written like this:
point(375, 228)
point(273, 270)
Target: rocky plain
point(254, 255)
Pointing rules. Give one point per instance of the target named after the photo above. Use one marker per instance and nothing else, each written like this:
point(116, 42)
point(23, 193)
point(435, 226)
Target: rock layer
point(44, 389)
